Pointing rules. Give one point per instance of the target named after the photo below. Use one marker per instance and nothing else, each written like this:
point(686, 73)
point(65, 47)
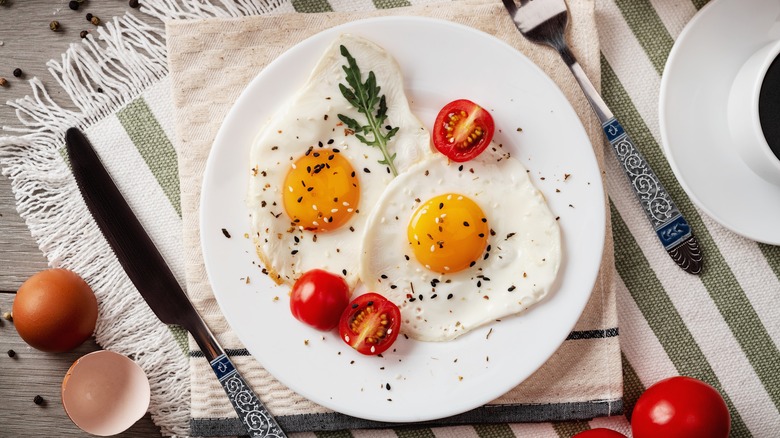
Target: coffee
point(769, 106)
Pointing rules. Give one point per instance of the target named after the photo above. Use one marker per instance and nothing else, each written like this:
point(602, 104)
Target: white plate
point(427, 380)
point(694, 129)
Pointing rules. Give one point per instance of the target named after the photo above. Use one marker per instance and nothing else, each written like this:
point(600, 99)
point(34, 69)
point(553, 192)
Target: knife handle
point(256, 418)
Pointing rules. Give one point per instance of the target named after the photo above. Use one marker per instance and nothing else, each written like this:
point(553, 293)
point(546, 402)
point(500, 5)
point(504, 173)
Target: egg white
point(309, 119)
point(517, 271)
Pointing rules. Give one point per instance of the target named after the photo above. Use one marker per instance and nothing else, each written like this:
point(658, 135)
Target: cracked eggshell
point(104, 393)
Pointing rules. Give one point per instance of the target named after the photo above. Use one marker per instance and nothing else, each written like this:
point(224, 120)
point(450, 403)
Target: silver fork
point(544, 22)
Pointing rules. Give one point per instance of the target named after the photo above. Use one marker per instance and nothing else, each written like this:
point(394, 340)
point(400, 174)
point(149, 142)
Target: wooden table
point(28, 43)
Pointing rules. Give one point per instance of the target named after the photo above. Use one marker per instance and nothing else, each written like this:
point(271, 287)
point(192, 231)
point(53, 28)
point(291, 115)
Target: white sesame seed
point(314, 206)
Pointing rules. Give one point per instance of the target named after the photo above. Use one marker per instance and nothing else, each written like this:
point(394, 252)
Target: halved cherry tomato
point(680, 407)
point(462, 130)
point(599, 432)
point(370, 324)
point(318, 298)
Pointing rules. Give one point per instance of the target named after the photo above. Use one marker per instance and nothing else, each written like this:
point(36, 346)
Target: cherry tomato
point(370, 324)
point(680, 407)
point(462, 130)
point(599, 433)
point(318, 298)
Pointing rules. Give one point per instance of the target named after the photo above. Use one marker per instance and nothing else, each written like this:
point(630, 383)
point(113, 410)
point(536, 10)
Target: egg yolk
point(448, 233)
point(321, 190)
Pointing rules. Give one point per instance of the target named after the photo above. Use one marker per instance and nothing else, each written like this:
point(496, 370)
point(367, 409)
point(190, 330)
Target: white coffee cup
point(744, 124)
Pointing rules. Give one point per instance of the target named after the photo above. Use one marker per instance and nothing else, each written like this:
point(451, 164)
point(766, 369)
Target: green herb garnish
point(365, 97)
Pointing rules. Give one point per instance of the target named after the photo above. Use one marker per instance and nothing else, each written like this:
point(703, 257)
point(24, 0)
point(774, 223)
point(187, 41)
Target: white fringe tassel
point(127, 57)
point(194, 9)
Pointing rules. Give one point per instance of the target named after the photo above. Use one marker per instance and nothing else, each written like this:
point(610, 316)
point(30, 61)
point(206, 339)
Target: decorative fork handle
point(667, 221)
point(251, 412)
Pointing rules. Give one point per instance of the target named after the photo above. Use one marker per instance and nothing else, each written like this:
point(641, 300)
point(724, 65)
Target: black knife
point(148, 271)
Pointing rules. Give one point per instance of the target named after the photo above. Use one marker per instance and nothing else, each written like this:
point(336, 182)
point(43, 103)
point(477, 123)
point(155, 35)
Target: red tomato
point(370, 323)
point(680, 407)
point(599, 433)
point(318, 298)
point(462, 130)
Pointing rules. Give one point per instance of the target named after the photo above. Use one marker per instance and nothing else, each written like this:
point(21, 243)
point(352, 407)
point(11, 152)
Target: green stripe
point(311, 6)
point(334, 434)
point(772, 254)
point(570, 428)
point(661, 315)
point(180, 335)
point(152, 143)
point(700, 3)
point(414, 433)
point(494, 431)
point(718, 279)
point(389, 4)
point(648, 29)
point(632, 387)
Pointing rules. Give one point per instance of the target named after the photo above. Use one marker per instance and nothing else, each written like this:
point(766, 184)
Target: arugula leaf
point(365, 97)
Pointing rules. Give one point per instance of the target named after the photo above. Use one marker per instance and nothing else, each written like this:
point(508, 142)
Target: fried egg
point(312, 181)
point(458, 245)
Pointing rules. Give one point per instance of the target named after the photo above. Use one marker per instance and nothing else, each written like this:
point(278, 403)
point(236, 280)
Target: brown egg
point(55, 311)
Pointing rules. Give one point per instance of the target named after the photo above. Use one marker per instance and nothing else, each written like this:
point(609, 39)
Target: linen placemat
point(582, 380)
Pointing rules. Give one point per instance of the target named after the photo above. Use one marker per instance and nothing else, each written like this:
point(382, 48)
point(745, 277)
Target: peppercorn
point(8, 316)
point(95, 21)
point(38, 400)
point(3, 82)
point(2, 2)
point(54, 25)
point(133, 3)
point(18, 72)
point(99, 90)
point(11, 353)
point(89, 16)
point(73, 4)
point(84, 34)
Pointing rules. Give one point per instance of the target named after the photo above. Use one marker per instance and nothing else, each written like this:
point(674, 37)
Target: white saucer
point(694, 130)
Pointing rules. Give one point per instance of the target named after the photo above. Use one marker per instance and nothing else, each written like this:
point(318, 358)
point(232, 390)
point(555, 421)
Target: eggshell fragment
point(104, 393)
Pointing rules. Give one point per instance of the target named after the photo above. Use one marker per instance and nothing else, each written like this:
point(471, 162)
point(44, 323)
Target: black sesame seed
point(465, 224)
point(293, 252)
point(460, 168)
point(420, 297)
point(406, 257)
point(344, 271)
point(384, 276)
point(484, 219)
point(441, 205)
point(434, 296)
point(370, 303)
point(392, 286)
point(225, 232)
point(365, 169)
point(511, 288)
point(354, 306)
point(387, 386)
point(472, 264)
point(479, 284)
point(449, 297)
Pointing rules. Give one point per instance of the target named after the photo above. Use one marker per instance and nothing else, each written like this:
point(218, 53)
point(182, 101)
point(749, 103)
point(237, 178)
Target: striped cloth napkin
point(582, 380)
point(720, 327)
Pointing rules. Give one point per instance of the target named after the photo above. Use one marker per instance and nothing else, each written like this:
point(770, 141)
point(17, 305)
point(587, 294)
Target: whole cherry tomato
point(318, 298)
point(462, 130)
point(599, 433)
point(370, 324)
point(680, 407)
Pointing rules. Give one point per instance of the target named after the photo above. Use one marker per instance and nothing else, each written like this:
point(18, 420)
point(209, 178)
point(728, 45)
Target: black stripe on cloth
point(575, 335)
point(516, 413)
point(591, 334)
point(231, 352)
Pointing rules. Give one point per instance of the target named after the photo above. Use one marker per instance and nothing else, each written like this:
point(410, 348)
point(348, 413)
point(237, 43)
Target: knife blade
point(154, 280)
